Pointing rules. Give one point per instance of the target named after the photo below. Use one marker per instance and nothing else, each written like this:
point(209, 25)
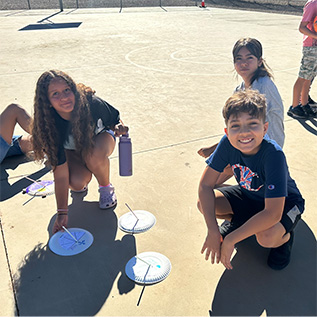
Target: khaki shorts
point(308, 67)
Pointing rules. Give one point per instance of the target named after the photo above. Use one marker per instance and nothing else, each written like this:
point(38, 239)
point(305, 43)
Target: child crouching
point(266, 202)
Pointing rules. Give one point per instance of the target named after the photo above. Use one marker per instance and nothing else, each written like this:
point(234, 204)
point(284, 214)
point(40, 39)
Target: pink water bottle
point(125, 155)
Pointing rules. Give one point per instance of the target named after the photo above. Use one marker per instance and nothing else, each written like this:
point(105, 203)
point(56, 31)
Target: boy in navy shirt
point(266, 202)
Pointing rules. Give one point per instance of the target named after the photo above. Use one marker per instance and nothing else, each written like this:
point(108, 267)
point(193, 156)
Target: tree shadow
point(252, 287)
point(6, 189)
point(48, 284)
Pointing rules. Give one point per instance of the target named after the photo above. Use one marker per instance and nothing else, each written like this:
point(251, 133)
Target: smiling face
point(246, 64)
point(246, 132)
point(61, 97)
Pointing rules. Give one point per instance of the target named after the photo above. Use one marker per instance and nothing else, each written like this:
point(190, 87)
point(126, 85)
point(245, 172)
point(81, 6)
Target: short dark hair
point(248, 101)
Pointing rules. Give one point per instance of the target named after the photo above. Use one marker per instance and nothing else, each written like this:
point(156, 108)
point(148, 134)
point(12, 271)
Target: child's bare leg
point(222, 207)
point(79, 175)
point(273, 237)
point(305, 92)
point(98, 162)
point(12, 115)
point(9, 118)
point(26, 143)
point(297, 89)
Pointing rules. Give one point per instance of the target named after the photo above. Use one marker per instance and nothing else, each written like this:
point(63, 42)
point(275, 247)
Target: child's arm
point(306, 31)
point(267, 218)
point(61, 179)
point(207, 207)
point(207, 151)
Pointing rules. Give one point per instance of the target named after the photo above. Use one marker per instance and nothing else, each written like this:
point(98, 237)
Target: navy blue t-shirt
point(262, 175)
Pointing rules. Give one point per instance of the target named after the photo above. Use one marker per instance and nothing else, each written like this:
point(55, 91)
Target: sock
point(104, 186)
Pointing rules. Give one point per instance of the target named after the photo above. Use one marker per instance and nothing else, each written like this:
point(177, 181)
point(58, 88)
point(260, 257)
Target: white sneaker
point(107, 198)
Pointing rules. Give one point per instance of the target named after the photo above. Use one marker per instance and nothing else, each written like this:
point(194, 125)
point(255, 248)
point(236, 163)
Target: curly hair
point(44, 131)
point(255, 48)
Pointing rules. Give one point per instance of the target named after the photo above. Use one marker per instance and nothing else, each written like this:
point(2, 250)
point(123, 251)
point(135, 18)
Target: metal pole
point(29, 5)
point(61, 5)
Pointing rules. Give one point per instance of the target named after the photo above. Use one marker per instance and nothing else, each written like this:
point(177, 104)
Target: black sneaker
point(309, 111)
point(297, 112)
point(311, 101)
point(227, 227)
point(280, 257)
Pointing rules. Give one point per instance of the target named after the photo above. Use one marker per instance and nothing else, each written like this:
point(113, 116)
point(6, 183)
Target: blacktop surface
point(169, 71)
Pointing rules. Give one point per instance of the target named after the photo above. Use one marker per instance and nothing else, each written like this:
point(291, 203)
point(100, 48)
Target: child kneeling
point(266, 202)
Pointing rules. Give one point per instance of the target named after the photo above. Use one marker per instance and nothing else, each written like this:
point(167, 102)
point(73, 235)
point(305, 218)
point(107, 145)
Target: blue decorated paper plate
point(64, 244)
point(148, 268)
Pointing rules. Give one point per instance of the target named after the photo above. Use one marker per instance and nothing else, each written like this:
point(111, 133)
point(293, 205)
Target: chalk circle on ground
point(136, 222)
point(40, 188)
point(62, 243)
point(148, 268)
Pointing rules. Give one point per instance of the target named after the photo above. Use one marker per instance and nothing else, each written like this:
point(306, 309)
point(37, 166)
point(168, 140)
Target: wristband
point(61, 211)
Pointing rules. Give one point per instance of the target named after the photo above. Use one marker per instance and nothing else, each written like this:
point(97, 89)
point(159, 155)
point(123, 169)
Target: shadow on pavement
point(50, 26)
point(310, 128)
point(6, 189)
point(48, 284)
point(252, 287)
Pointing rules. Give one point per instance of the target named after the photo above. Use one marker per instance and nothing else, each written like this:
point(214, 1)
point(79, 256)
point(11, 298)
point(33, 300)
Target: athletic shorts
point(244, 208)
point(308, 67)
point(12, 149)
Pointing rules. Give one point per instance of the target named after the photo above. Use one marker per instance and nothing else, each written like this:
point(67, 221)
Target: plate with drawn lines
point(72, 243)
point(136, 222)
point(148, 268)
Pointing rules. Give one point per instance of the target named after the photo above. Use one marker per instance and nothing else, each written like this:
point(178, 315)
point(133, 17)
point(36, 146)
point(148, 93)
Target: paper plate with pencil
point(72, 241)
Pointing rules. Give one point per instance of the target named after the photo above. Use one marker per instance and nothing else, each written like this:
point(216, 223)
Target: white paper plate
point(41, 188)
point(129, 223)
point(61, 243)
point(148, 268)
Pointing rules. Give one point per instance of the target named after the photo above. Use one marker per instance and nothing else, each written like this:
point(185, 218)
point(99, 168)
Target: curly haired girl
point(76, 130)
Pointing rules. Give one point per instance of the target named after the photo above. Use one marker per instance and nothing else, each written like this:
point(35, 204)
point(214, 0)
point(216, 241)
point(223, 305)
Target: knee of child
point(266, 239)
point(13, 107)
point(77, 184)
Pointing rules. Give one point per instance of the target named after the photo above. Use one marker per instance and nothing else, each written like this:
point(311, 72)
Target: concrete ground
point(169, 72)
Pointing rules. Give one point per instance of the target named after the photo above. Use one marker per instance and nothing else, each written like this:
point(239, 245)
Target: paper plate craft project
point(40, 188)
point(148, 268)
point(136, 221)
point(70, 242)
